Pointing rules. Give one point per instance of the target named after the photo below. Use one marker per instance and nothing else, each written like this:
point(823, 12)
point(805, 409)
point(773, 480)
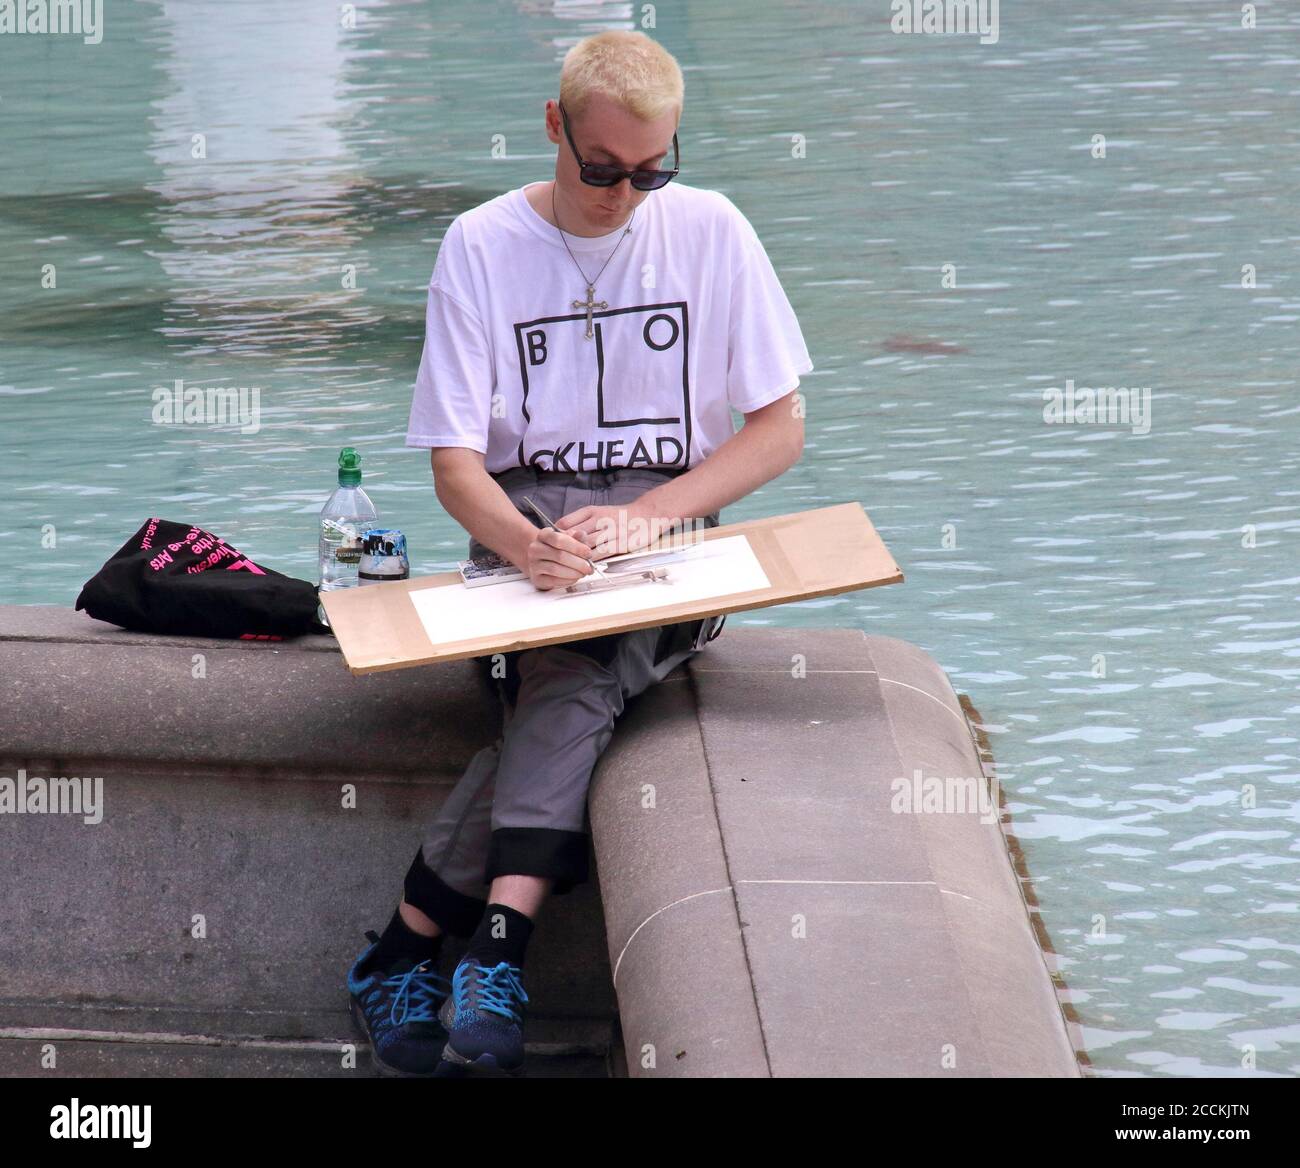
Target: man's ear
point(553, 126)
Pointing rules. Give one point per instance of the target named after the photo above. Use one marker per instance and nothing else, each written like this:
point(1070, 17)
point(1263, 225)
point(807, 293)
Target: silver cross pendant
point(590, 303)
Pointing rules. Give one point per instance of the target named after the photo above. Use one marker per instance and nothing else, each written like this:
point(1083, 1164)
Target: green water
point(1030, 549)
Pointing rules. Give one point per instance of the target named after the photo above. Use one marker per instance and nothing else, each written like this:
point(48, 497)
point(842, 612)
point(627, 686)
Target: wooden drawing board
point(803, 555)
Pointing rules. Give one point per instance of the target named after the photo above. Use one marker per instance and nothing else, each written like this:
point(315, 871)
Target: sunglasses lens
point(651, 180)
point(600, 176)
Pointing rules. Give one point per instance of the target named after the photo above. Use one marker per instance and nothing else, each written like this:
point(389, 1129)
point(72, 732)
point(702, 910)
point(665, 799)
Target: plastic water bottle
point(344, 521)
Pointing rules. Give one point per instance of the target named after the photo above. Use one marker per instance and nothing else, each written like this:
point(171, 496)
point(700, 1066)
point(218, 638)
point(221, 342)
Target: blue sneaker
point(398, 1012)
point(484, 1019)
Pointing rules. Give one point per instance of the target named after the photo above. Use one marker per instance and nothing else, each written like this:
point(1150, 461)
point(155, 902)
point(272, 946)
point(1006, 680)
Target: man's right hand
point(553, 559)
point(482, 508)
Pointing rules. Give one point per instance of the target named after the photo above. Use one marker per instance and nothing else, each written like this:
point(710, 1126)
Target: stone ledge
point(48, 622)
point(770, 915)
point(77, 688)
point(223, 797)
point(763, 910)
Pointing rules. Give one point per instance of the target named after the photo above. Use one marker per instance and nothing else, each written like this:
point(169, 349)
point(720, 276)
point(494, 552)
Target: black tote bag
point(178, 579)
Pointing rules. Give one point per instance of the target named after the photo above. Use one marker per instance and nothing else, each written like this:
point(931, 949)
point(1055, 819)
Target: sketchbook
point(732, 568)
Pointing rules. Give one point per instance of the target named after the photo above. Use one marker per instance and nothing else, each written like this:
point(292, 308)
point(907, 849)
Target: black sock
point(402, 943)
point(488, 949)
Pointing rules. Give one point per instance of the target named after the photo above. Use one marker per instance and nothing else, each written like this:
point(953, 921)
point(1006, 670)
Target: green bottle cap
point(349, 467)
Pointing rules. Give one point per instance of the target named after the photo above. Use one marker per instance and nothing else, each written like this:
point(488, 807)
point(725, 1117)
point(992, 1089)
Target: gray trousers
point(521, 805)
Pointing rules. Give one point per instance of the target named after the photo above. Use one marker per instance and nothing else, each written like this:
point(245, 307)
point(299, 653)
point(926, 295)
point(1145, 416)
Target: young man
point(587, 340)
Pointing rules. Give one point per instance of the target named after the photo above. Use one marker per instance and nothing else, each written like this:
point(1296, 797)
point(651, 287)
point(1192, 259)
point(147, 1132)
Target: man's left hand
point(611, 531)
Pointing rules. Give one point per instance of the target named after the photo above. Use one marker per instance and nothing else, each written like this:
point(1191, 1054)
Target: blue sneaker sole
point(383, 1069)
point(457, 1066)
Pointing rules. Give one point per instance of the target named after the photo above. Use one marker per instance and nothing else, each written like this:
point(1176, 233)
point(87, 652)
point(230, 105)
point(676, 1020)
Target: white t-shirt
point(695, 323)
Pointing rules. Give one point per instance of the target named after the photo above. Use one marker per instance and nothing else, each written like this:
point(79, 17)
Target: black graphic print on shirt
point(621, 399)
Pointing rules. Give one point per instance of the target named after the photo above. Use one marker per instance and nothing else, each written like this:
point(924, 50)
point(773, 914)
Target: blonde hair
point(636, 72)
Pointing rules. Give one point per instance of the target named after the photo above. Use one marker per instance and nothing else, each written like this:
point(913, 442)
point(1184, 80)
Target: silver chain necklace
point(591, 302)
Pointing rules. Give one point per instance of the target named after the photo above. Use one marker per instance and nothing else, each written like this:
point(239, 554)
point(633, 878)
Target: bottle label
point(348, 548)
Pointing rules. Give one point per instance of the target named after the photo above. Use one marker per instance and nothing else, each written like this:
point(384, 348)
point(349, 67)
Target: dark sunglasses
point(597, 174)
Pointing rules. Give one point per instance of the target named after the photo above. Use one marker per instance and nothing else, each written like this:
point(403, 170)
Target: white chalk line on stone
point(889, 680)
point(730, 888)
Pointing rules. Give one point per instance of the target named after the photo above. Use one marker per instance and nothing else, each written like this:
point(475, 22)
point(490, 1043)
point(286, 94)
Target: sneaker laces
point(417, 994)
point(499, 989)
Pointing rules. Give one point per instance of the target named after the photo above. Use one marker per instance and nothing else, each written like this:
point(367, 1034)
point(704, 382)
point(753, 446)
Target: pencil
point(595, 566)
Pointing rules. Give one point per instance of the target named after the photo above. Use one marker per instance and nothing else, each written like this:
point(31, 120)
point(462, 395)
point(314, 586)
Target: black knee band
point(451, 911)
point(539, 851)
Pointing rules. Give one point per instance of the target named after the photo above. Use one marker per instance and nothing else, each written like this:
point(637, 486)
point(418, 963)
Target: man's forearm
point(754, 455)
point(473, 498)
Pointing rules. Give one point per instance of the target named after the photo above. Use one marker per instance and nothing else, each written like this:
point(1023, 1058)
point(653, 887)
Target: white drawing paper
point(715, 568)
